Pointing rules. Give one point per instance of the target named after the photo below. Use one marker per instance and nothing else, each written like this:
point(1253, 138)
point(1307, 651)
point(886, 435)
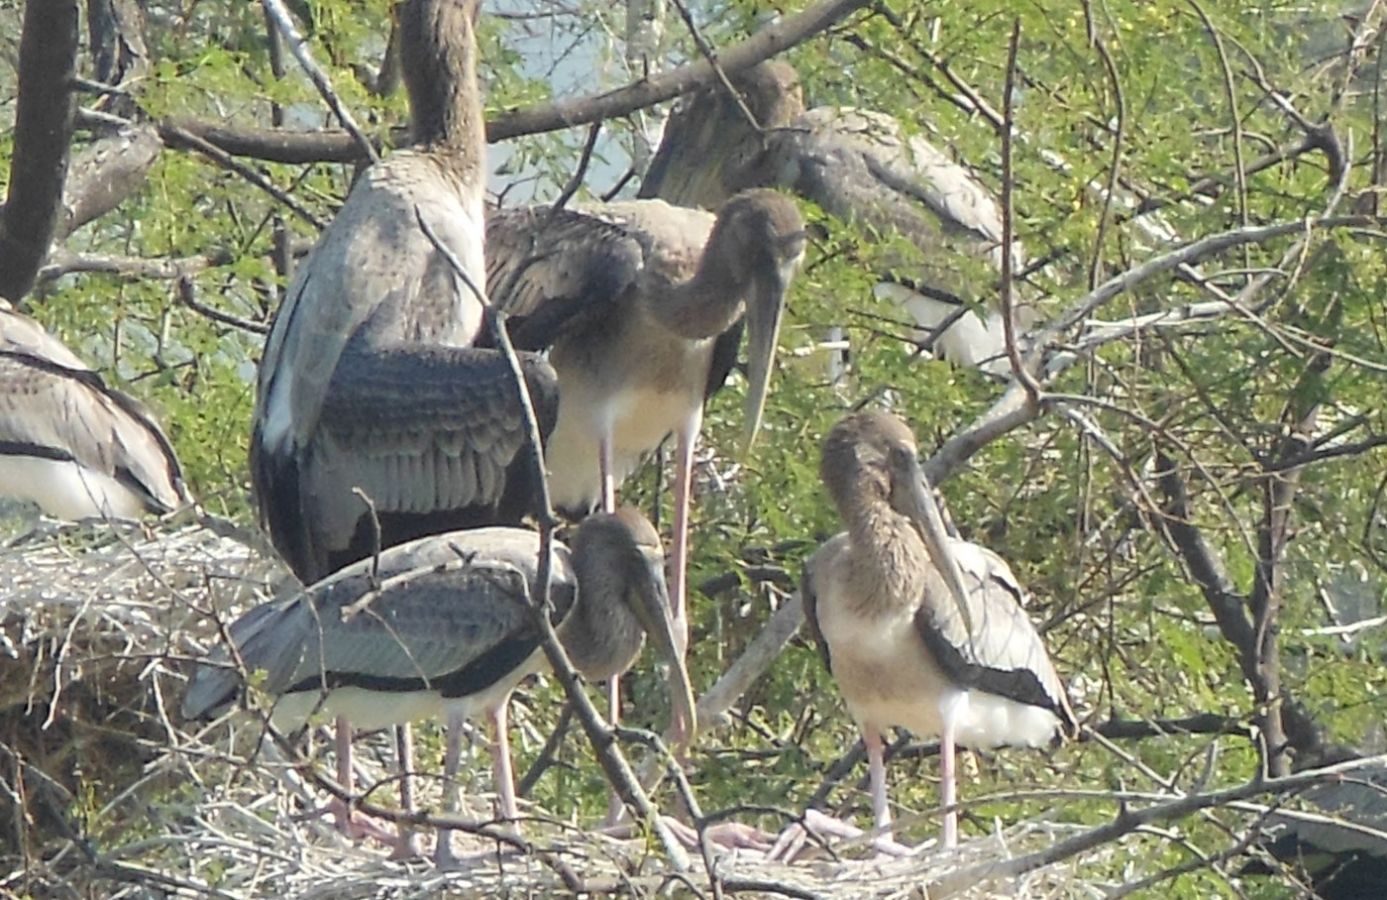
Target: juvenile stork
point(443, 625)
point(890, 631)
point(369, 380)
point(862, 167)
point(641, 305)
point(69, 442)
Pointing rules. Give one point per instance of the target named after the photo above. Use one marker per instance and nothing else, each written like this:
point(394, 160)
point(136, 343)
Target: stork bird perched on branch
point(879, 605)
point(369, 380)
point(444, 624)
point(69, 442)
point(641, 305)
point(860, 166)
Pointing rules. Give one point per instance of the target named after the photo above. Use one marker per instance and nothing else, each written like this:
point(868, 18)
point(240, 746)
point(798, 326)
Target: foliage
point(1204, 98)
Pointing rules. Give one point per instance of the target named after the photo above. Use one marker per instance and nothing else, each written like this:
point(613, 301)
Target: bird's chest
point(882, 667)
point(640, 381)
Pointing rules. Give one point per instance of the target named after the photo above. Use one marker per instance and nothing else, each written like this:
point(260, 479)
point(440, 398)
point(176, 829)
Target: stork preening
point(641, 305)
point(69, 442)
point(369, 381)
point(443, 625)
point(886, 619)
point(860, 166)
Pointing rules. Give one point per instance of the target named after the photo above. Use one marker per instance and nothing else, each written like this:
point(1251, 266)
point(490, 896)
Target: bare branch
point(275, 10)
point(281, 145)
point(105, 173)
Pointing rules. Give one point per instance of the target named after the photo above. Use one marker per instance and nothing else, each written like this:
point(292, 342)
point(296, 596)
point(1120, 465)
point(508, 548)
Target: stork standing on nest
point(443, 625)
point(69, 442)
point(376, 421)
point(641, 305)
point(860, 166)
point(884, 616)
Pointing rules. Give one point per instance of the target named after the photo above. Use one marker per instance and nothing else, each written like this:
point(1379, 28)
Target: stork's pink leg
point(500, 763)
point(352, 825)
point(876, 769)
point(605, 465)
point(343, 812)
point(615, 808)
point(679, 562)
point(406, 843)
point(948, 784)
point(452, 755)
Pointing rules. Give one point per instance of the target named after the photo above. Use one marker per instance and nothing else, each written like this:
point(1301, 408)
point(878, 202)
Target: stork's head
point(622, 553)
point(711, 148)
point(760, 238)
point(856, 466)
point(871, 457)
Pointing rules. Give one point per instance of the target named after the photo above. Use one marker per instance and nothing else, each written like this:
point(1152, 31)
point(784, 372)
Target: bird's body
point(70, 443)
point(891, 628)
point(621, 371)
point(860, 166)
point(370, 381)
point(641, 306)
point(442, 625)
point(870, 638)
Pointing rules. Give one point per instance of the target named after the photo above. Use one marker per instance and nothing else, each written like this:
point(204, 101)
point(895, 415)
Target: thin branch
point(601, 736)
point(299, 47)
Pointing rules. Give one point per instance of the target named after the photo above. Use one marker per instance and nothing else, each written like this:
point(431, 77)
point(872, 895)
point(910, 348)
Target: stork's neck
point(600, 635)
point(713, 299)
point(440, 68)
point(889, 559)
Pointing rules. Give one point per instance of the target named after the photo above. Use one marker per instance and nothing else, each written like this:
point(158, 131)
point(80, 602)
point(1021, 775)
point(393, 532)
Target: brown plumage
point(891, 629)
point(861, 166)
point(71, 443)
point(641, 306)
point(448, 629)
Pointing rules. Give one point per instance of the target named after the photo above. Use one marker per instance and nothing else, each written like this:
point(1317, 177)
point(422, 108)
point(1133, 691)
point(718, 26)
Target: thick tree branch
point(285, 146)
point(105, 173)
point(43, 129)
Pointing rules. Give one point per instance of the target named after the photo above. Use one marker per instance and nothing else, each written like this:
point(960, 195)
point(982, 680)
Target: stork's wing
point(446, 613)
point(373, 252)
point(53, 406)
point(21, 335)
point(828, 557)
point(1004, 655)
point(860, 166)
point(556, 271)
point(420, 430)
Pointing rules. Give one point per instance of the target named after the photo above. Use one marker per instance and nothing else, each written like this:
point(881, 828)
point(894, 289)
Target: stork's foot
point(724, 835)
point(405, 845)
point(822, 828)
point(356, 826)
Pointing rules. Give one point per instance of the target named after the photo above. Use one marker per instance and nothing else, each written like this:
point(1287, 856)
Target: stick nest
point(113, 795)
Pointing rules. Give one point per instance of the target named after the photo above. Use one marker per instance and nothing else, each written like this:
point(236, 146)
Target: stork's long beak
point(764, 312)
point(911, 496)
point(652, 608)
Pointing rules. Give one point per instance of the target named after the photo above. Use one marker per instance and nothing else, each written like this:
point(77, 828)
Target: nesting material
point(113, 796)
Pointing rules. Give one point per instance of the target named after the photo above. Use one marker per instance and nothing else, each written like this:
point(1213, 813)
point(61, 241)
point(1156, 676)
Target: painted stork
point(443, 626)
point(369, 379)
point(860, 166)
point(890, 631)
point(69, 442)
point(641, 305)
